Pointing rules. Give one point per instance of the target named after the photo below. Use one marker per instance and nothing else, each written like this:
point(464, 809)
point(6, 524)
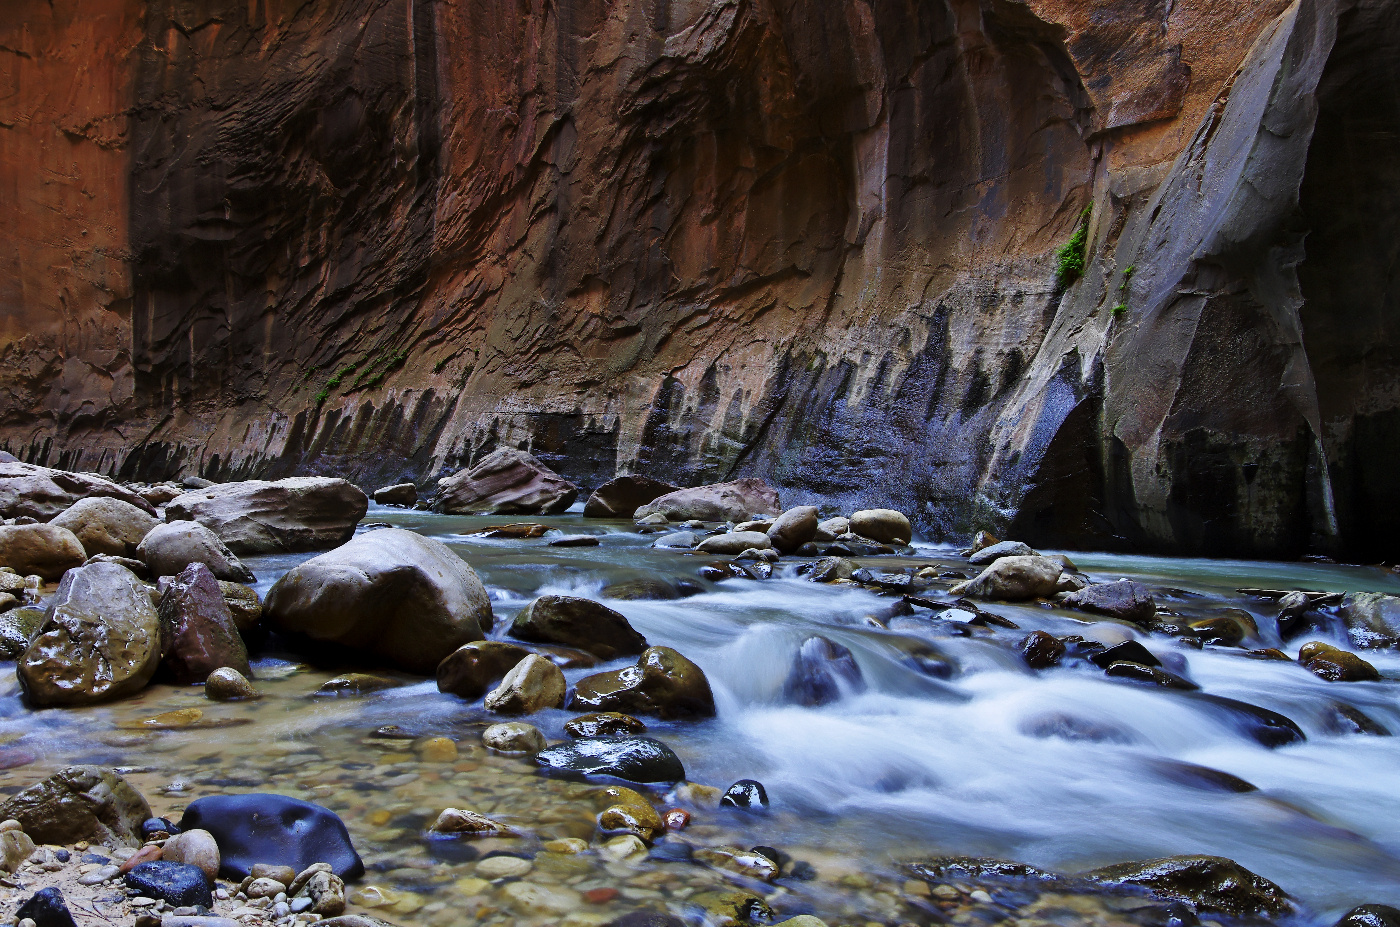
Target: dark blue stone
point(46, 909)
point(177, 884)
point(275, 829)
point(746, 795)
point(633, 759)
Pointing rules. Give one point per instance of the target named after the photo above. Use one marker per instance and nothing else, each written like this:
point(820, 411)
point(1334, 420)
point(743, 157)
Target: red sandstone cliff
point(811, 241)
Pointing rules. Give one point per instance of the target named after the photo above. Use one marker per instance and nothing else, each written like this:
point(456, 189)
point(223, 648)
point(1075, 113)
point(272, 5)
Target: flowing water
point(1066, 769)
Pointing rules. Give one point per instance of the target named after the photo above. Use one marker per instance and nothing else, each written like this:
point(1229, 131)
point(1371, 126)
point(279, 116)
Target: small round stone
point(227, 684)
point(503, 867)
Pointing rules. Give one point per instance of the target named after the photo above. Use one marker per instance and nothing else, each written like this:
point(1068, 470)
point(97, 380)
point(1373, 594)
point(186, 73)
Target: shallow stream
point(1065, 769)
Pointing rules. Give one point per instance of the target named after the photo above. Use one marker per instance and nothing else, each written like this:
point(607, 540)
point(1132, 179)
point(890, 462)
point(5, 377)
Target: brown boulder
point(104, 525)
point(506, 482)
point(470, 670)
point(621, 496)
point(45, 550)
point(884, 525)
point(662, 683)
point(259, 517)
point(577, 622)
point(1013, 579)
point(1213, 884)
point(532, 684)
point(243, 604)
point(398, 494)
point(1334, 664)
point(100, 640)
point(736, 502)
point(403, 597)
point(794, 528)
point(80, 803)
point(198, 634)
point(41, 492)
point(169, 548)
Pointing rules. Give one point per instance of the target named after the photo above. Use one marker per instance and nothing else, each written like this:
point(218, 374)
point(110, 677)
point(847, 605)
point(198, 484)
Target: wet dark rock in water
point(662, 683)
point(1366, 915)
point(604, 724)
point(633, 759)
point(1267, 727)
point(621, 496)
point(649, 589)
point(1128, 651)
point(89, 803)
point(177, 884)
point(978, 868)
point(353, 684)
point(1171, 914)
point(1068, 727)
point(1213, 884)
point(1341, 718)
point(714, 574)
point(265, 828)
point(1200, 777)
point(1334, 664)
point(450, 849)
point(473, 669)
point(577, 622)
point(746, 795)
point(1229, 628)
point(1138, 672)
point(1041, 650)
point(683, 540)
point(820, 672)
point(46, 908)
point(575, 540)
point(198, 634)
point(1372, 619)
point(153, 826)
point(1125, 600)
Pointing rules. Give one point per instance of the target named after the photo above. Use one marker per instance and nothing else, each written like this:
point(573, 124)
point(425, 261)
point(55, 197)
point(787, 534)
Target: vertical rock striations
point(708, 239)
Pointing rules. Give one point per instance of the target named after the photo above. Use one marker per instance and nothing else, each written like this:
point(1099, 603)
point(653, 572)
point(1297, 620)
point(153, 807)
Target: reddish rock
point(506, 482)
point(198, 634)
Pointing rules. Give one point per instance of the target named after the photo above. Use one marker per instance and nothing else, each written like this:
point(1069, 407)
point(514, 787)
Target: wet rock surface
point(256, 516)
point(634, 759)
point(80, 803)
point(577, 622)
point(621, 496)
point(197, 631)
point(661, 683)
point(168, 549)
point(506, 482)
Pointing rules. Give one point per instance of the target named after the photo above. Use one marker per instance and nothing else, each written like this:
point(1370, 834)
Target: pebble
point(100, 875)
point(472, 886)
point(503, 867)
point(530, 898)
point(438, 750)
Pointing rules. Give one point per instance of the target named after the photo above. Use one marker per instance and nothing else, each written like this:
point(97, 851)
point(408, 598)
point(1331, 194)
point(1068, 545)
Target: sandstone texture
point(507, 482)
point(712, 239)
point(261, 517)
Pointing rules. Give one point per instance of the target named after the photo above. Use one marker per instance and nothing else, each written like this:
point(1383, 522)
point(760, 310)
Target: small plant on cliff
point(1071, 254)
point(394, 363)
point(342, 373)
point(1120, 310)
point(1128, 277)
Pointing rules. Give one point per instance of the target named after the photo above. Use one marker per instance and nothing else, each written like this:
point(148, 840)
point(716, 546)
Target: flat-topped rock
point(286, 516)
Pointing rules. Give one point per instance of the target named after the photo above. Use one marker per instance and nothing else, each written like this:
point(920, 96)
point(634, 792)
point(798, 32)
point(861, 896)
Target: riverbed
point(1065, 769)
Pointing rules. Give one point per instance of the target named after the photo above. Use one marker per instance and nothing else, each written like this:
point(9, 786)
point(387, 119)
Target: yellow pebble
point(391, 758)
point(438, 750)
point(175, 718)
point(379, 818)
point(567, 846)
point(471, 886)
point(372, 896)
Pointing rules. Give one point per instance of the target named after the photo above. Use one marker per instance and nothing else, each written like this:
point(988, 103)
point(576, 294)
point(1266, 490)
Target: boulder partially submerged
point(735, 501)
point(405, 598)
point(621, 496)
point(41, 493)
point(505, 482)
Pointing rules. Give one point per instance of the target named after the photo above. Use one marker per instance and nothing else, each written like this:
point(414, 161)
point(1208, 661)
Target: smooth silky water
point(912, 767)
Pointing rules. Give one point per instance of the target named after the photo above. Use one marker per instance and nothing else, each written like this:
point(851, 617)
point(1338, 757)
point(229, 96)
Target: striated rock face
point(708, 239)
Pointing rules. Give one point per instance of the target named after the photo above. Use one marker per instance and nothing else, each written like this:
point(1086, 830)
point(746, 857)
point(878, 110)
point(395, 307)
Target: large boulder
point(104, 525)
point(41, 492)
point(794, 528)
point(1124, 599)
point(577, 622)
point(735, 501)
point(100, 640)
point(1014, 579)
point(198, 633)
point(505, 482)
point(400, 596)
point(472, 669)
point(1213, 884)
point(884, 525)
point(994, 552)
point(171, 547)
point(89, 803)
point(1372, 619)
point(259, 517)
point(621, 496)
point(44, 550)
point(662, 683)
point(398, 494)
point(274, 830)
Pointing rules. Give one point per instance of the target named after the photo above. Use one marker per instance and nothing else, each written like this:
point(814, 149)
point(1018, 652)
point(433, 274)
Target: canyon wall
point(810, 241)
